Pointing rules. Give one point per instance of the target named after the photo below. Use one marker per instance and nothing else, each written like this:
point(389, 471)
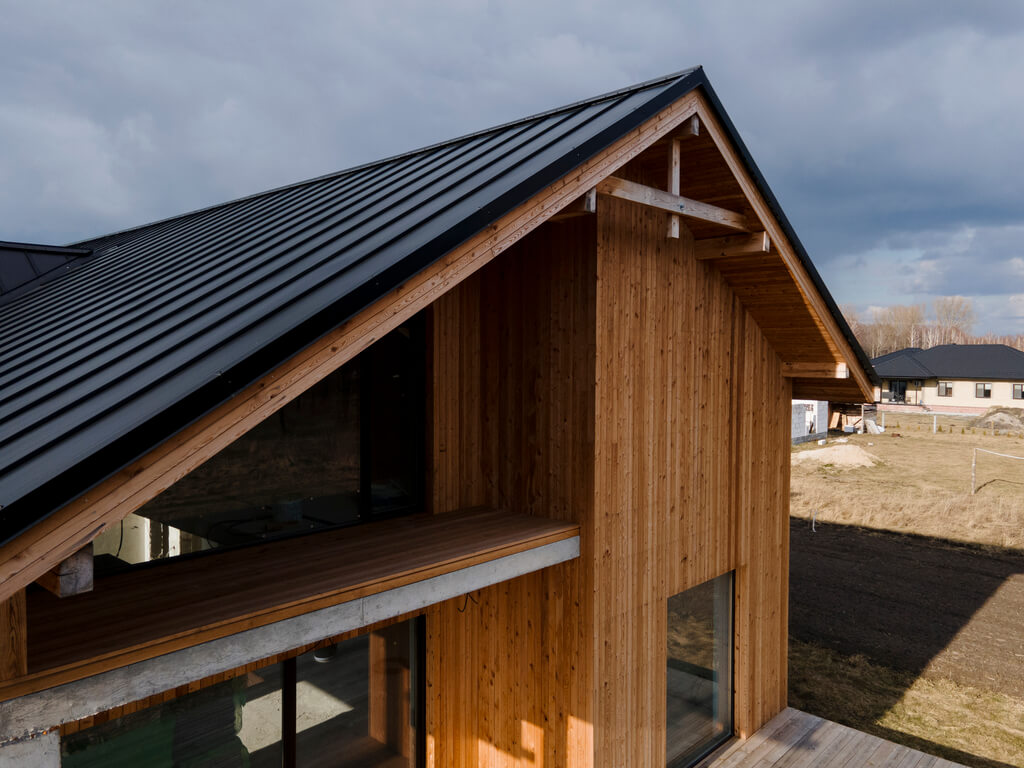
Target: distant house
point(471, 456)
point(962, 378)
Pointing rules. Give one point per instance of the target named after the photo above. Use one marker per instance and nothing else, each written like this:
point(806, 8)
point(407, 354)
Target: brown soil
point(909, 602)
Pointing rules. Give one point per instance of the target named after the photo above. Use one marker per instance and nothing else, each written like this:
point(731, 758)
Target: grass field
point(920, 484)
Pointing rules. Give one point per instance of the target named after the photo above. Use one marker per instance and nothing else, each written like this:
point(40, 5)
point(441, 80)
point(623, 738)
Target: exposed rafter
point(755, 244)
point(583, 205)
point(666, 201)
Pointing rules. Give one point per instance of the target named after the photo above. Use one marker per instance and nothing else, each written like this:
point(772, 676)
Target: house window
point(356, 703)
point(346, 451)
point(699, 711)
point(945, 389)
point(983, 390)
point(1018, 391)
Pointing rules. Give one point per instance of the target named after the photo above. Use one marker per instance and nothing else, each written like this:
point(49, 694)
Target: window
point(346, 451)
point(699, 711)
point(1018, 391)
point(357, 703)
point(945, 389)
point(983, 390)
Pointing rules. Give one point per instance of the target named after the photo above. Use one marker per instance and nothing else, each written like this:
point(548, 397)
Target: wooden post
point(13, 637)
point(674, 167)
point(974, 466)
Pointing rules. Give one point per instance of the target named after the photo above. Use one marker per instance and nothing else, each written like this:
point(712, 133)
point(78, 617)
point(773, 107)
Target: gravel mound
point(1001, 417)
point(845, 456)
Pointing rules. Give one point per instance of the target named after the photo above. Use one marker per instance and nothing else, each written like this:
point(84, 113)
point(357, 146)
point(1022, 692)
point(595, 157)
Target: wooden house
point(477, 455)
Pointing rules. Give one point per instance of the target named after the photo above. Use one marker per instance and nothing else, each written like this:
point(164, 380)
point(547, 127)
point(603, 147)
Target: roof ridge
point(636, 88)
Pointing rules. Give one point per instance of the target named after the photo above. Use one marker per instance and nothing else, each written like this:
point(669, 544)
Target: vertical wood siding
point(597, 372)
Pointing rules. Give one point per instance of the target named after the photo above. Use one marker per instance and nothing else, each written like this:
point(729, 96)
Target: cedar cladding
point(597, 372)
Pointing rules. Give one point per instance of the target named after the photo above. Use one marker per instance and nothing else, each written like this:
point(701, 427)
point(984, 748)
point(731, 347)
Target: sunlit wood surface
point(794, 738)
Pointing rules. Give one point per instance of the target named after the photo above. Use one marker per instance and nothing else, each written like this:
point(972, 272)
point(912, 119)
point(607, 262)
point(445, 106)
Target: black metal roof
point(166, 321)
point(23, 266)
point(996, 362)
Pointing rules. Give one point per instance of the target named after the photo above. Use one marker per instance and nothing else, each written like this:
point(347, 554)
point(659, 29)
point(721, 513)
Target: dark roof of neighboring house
point(23, 266)
point(953, 361)
point(166, 321)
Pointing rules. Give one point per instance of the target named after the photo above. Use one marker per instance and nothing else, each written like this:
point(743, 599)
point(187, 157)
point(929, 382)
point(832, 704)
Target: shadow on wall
point(913, 604)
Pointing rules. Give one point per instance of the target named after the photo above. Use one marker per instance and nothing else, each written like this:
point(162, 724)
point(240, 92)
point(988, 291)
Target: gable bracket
point(613, 186)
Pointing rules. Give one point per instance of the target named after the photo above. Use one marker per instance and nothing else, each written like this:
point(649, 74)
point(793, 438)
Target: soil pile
point(1000, 417)
point(844, 456)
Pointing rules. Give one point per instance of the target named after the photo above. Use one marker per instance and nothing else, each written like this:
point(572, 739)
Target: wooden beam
point(30, 555)
point(13, 637)
point(72, 576)
point(674, 167)
point(832, 370)
point(665, 201)
point(584, 205)
point(755, 244)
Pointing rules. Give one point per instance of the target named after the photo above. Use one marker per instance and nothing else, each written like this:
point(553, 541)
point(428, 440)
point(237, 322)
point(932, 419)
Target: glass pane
point(300, 470)
point(699, 710)
point(235, 723)
point(356, 709)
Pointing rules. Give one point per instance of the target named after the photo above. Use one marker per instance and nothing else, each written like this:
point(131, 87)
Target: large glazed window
point(354, 704)
point(347, 450)
point(699, 710)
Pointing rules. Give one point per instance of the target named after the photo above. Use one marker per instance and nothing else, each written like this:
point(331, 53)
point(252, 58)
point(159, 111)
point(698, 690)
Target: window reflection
point(699, 713)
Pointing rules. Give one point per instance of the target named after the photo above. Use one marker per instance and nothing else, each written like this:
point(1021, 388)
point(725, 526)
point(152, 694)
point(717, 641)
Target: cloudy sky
point(892, 133)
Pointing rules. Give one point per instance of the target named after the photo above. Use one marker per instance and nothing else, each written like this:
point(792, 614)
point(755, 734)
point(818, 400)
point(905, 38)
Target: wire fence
point(974, 465)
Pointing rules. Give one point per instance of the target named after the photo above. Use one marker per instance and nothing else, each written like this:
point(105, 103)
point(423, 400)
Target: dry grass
point(922, 713)
point(922, 483)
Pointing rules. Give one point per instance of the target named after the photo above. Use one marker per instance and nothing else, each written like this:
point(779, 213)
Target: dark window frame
point(983, 390)
point(945, 389)
point(1018, 391)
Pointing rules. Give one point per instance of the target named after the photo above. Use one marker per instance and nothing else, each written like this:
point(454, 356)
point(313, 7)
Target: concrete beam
point(38, 712)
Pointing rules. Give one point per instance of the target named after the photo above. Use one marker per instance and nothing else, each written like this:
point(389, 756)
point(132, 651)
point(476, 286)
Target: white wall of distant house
point(963, 394)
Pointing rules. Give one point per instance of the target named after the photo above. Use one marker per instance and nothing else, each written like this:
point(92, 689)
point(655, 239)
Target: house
point(956, 378)
point(474, 455)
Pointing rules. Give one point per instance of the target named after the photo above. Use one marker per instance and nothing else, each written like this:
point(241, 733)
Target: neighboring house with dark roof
point(963, 378)
point(488, 426)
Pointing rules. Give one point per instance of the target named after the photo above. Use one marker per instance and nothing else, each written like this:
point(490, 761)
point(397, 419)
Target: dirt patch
point(1000, 417)
point(843, 456)
point(910, 603)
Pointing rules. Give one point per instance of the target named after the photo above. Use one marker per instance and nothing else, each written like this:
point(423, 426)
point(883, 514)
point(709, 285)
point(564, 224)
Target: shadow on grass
point(910, 604)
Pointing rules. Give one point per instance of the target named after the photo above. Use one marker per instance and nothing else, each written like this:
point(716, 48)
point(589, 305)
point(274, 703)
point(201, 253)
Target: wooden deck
point(795, 739)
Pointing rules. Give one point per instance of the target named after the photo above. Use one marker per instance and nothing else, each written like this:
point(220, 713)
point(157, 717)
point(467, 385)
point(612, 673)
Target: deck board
point(795, 739)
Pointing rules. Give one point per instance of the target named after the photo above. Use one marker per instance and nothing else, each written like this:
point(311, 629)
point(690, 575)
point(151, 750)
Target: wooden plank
point(143, 614)
point(584, 205)
point(731, 246)
point(665, 201)
point(13, 637)
point(72, 576)
point(689, 129)
point(829, 370)
point(26, 558)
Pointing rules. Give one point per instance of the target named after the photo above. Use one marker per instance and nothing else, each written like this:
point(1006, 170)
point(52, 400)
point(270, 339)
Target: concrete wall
point(804, 413)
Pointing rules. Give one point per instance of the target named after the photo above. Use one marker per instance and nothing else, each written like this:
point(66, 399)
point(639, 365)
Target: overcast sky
point(891, 133)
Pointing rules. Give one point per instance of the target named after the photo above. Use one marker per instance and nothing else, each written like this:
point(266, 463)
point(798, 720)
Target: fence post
point(883, 421)
point(935, 420)
point(974, 466)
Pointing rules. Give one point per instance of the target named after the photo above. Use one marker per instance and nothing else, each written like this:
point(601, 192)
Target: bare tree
point(955, 317)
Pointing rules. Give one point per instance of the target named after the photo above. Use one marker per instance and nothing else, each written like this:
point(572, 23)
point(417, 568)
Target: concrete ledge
point(36, 713)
